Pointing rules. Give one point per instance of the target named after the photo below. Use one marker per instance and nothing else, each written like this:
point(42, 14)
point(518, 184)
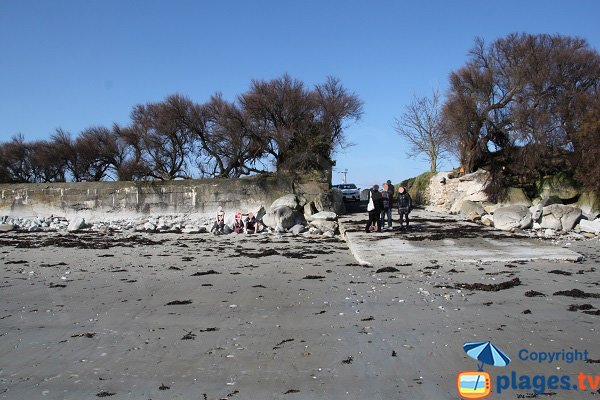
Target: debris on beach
point(533, 293)
point(178, 302)
point(577, 294)
point(492, 287)
point(88, 335)
point(387, 269)
point(209, 272)
point(104, 394)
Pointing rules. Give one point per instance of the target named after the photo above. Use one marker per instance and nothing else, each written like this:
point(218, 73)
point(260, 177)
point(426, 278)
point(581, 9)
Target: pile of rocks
point(547, 218)
point(33, 224)
point(289, 214)
point(295, 215)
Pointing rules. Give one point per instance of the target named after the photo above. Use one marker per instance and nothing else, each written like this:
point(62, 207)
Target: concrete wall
point(115, 200)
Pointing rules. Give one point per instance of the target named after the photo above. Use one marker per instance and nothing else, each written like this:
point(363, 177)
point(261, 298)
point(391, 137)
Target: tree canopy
point(278, 124)
point(521, 106)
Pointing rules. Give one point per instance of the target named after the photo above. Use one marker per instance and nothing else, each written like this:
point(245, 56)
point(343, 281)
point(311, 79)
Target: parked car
point(349, 191)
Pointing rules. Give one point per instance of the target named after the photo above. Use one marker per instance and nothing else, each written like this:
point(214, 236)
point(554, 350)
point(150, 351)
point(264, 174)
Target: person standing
point(392, 190)
point(374, 208)
point(405, 205)
point(386, 206)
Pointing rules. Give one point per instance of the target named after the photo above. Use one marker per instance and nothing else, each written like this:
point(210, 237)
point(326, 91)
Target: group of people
point(381, 203)
point(240, 225)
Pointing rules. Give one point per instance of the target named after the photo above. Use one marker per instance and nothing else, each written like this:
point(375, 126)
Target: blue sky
point(75, 64)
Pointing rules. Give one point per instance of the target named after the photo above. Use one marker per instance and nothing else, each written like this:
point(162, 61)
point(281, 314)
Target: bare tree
point(300, 128)
point(162, 139)
point(15, 163)
point(45, 165)
point(420, 125)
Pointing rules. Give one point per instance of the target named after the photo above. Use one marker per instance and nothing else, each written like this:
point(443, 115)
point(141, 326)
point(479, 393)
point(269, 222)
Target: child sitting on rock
point(219, 227)
point(238, 224)
point(251, 225)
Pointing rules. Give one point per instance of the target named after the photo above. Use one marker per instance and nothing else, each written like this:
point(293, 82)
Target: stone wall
point(114, 200)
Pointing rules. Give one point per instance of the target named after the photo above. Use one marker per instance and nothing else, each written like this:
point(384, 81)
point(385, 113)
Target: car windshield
point(350, 186)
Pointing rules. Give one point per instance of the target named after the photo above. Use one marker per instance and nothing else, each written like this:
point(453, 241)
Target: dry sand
point(168, 316)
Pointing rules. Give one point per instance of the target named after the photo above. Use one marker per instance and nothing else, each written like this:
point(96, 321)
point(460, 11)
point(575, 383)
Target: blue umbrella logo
point(486, 353)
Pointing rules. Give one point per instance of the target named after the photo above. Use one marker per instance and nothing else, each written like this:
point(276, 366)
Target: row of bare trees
point(279, 124)
point(524, 105)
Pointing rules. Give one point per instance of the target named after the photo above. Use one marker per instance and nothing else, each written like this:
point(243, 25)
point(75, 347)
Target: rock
point(289, 200)
point(450, 196)
point(149, 227)
point(512, 217)
point(297, 229)
point(467, 207)
point(487, 220)
point(324, 226)
point(549, 233)
point(516, 197)
point(260, 213)
point(560, 217)
point(331, 201)
point(194, 229)
point(34, 228)
point(589, 203)
point(491, 208)
point(589, 235)
point(283, 218)
point(309, 209)
point(329, 234)
point(473, 216)
point(7, 227)
point(536, 226)
point(551, 222)
point(324, 215)
point(76, 224)
point(590, 226)
point(538, 206)
point(560, 186)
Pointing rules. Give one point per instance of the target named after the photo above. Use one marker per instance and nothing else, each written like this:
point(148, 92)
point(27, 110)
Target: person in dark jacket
point(375, 206)
point(387, 206)
point(404, 203)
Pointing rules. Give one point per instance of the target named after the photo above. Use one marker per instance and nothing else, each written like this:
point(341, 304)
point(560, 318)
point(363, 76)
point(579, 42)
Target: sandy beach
point(176, 316)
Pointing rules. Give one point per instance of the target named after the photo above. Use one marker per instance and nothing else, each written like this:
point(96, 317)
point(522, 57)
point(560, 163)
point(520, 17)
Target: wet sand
point(167, 316)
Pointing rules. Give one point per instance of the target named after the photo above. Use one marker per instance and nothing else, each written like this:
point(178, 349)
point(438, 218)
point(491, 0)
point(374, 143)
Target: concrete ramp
point(440, 237)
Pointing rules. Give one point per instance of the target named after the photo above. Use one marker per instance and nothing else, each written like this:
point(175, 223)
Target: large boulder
point(324, 215)
point(589, 203)
point(560, 217)
point(512, 217)
point(538, 206)
point(76, 224)
point(289, 200)
point(7, 227)
point(283, 218)
point(468, 207)
point(559, 185)
point(590, 226)
point(325, 226)
point(297, 229)
point(446, 194)
point(516, 196)
point(310, 209)
point(330, 201)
